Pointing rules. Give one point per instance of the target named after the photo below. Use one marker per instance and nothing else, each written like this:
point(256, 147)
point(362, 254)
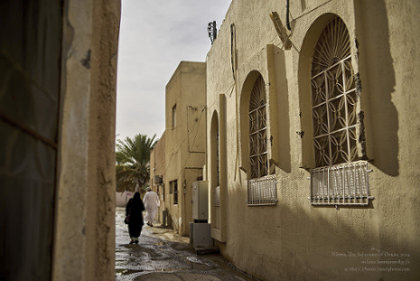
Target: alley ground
point(163, 255)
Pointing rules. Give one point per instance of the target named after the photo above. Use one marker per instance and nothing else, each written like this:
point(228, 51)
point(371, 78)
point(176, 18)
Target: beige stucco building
point(312, 139)
point(57, 131)
point(182, 144)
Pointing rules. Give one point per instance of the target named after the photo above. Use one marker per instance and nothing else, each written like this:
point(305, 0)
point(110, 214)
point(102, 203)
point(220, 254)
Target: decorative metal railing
point(262, 191)
point(342, 184)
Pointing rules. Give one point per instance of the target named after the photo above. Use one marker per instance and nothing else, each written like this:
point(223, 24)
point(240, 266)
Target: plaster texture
point(84, 231)
point(294, 240)
point(57, 125)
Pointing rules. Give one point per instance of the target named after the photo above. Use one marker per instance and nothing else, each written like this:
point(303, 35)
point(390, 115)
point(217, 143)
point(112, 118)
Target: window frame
point(174, 116)
point(258, 135)
point(173, 188)
point(261, 186)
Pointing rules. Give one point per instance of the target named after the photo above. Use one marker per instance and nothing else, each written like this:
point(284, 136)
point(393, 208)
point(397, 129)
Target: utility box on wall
point(200, 201)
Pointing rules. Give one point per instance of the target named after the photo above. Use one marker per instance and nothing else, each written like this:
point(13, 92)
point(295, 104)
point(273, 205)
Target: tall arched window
point(333, 97)
point(340, 178)
point(262, 187)
point(258, 130)
point(217, 158)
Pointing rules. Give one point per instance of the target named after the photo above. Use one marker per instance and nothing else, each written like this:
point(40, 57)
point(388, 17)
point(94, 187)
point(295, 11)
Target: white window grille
point(258, 130)
point(334, 98)
point(262, 191)
point(342, 184)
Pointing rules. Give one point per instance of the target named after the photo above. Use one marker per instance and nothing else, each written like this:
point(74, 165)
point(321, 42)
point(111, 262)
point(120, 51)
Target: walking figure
point(134, 217)
point(151, 202)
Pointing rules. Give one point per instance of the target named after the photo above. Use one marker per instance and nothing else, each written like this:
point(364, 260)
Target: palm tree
point(133, 161)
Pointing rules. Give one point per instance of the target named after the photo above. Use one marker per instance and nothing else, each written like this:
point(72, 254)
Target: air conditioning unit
point(200, 236)
point(200, 201)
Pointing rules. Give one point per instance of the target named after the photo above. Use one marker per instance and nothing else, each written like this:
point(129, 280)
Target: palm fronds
point(133, 161)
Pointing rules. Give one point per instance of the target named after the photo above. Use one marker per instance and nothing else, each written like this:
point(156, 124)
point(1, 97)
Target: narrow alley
point(164, 255)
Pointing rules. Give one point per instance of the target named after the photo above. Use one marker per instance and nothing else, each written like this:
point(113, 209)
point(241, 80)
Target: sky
point(155, 35)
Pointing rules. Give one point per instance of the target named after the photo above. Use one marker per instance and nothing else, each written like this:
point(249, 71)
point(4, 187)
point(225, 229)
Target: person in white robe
point(151, 203)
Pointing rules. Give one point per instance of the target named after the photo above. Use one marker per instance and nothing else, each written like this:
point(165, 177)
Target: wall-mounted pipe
point(287, 16)
point(233, 48)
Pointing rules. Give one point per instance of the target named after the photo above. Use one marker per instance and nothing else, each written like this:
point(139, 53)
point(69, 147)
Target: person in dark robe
point(134, 216)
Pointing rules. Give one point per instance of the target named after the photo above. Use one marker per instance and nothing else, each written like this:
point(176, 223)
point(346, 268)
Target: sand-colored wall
point(85, 228)
point(185, 143)
point(295, 240)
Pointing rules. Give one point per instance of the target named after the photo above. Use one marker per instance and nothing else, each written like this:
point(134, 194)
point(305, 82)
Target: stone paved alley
point(164, 255)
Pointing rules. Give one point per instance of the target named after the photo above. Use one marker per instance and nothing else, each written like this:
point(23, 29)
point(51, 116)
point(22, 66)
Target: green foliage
point(133, 161)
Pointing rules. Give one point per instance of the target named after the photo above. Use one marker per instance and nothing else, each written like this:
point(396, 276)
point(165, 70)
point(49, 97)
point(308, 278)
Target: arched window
point(340, 177)
point(262, 187)
point(215, 150)
point(334, 97)
point(258, 130)
point(217, 158)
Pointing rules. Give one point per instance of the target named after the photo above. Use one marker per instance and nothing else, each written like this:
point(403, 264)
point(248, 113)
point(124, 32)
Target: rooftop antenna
point(212, 31)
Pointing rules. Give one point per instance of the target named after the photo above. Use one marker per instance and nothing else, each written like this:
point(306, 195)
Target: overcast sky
point(155, 35)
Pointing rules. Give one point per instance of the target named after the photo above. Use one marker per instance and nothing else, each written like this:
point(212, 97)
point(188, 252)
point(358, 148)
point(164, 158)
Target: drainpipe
point(287, 15)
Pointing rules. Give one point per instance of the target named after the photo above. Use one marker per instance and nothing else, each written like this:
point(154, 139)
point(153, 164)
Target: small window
point(174, 116)
point(173, 187)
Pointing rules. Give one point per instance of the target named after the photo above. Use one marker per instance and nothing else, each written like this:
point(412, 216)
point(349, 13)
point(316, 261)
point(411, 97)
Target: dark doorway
point(30, 53)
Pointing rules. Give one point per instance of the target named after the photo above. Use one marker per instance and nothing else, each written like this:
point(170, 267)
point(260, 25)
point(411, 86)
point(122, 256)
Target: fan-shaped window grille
point(258, 130)
point(334, 97)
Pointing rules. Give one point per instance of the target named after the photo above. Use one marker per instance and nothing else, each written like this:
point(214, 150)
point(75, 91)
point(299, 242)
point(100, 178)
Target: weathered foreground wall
point(85, 227)
point(57, 130)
